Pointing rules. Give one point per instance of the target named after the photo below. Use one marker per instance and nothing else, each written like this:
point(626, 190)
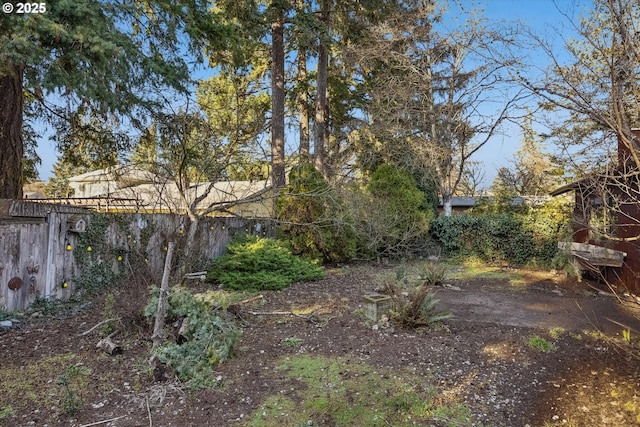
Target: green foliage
point(6, 412)
point(292, 342)
point(399, 189)
point(254, 263)
point(97, 258)
point(313, 219)
point(517, 235)
point(431, 273)
point(393, 220)
point(58, 184)
point(235, 106)
point(95, 265)
point(541, 344)
point(549, 223)
point(43, 305)
point(210, 336)
point(491, 237)
point(99, 52)
point(341, 392)
point(72, 381)
point(414, 304)
point(557, 332)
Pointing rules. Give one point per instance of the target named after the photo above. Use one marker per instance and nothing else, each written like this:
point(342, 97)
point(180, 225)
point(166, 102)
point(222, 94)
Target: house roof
point(568, 187)
point(167, 196)
point(460, 202)
point(116, 173)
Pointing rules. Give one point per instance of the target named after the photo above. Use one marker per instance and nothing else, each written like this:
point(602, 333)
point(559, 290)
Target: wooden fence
point(39, 249)
point(34, 260)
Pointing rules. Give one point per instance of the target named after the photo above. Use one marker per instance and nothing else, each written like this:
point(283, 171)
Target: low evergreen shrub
point(210, 336)
point(255, 263)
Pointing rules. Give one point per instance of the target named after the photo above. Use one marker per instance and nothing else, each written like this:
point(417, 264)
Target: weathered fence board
point(38, 246)
point(33, 241)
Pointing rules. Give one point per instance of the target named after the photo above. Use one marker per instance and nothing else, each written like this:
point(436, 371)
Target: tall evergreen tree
point(58, 185)
point(429, 90)
point(104, 56)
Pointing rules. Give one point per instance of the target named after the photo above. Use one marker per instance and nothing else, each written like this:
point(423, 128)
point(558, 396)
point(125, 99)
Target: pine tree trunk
point(278, 98)
point(321, 110)
point(303, 108)
point(11, 142)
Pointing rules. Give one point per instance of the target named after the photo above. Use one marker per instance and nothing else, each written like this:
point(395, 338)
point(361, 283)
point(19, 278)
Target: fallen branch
point(248, 300)
point(103, 421)
point(198, 275)
point(309, 318)
point(146, 400)
point(236, 307)
point(98, 325)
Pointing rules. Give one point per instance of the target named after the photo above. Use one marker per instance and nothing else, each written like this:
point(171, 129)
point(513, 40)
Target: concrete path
point(541, 309)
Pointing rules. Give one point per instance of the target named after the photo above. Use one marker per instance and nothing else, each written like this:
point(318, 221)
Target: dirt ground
point(481, 359)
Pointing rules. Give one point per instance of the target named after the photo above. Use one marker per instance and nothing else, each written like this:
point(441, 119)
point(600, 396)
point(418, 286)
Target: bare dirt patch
point(482, 360)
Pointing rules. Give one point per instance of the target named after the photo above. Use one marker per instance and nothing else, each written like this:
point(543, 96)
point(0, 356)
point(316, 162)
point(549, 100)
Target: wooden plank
point(599, 262)
point(30, 209)
point(592, 250)
point(52, 243)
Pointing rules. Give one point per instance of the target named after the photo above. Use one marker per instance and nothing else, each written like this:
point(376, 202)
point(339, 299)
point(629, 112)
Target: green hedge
point(519, 236)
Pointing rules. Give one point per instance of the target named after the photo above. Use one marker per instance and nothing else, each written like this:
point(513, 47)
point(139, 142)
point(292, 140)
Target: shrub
point(313, 219)
point(541, 344)
point(393, 220)
point(516, 235)
point(549, 223)
point(210, 336)
point(415, 303)
point(491, 237)
point(254, 263)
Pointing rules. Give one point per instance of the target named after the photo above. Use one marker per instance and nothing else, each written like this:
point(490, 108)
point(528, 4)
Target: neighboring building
point(607, 215)
point(248, 199)
point(103, 182)
point(459, 204)
point(128, 189)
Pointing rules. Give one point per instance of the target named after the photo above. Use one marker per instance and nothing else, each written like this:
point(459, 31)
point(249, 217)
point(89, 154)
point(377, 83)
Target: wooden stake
point(158, 328)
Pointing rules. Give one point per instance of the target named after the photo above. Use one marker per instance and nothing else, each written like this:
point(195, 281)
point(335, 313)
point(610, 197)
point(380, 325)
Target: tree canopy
point(93, 57)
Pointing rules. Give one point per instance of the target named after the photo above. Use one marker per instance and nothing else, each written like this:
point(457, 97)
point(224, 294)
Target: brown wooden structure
point(38, 243)
point(607, 214)
point(35, 261)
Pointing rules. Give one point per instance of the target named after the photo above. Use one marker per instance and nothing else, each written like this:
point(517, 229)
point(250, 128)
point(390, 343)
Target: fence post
point(158, 333)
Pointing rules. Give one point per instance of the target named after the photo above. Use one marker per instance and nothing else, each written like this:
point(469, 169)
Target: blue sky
point(544, 17)
point(540, 15)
